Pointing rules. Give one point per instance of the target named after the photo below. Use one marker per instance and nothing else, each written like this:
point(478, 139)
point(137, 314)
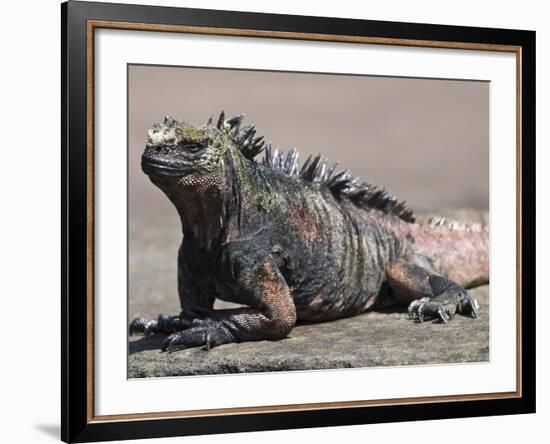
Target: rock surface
point(386, 338)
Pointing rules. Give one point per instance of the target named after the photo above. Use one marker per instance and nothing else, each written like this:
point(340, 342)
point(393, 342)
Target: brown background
point(425, 140)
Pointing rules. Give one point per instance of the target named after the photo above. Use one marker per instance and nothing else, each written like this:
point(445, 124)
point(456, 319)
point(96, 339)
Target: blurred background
point(425, 140)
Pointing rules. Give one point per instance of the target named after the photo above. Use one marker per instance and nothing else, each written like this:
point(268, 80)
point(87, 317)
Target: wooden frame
point(79, 21)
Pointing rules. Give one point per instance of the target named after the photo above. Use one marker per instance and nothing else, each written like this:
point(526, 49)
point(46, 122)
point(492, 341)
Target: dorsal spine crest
point(315, 170)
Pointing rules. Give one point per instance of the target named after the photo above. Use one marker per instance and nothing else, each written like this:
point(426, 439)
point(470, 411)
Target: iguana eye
point(193, 147)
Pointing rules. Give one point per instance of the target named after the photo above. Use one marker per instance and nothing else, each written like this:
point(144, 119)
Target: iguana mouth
point(156, 165)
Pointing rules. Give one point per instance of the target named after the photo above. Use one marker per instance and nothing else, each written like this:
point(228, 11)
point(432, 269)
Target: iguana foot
point(207, 332)
point(424, 308)
point(183, 331)
point(163, 324)
point(443, 307)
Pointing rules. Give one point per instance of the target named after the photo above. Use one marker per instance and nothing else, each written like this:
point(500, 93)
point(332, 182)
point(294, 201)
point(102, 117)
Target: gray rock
point(385, 338)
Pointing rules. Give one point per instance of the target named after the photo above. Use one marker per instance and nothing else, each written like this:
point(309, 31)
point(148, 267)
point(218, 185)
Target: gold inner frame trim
point(96, 24)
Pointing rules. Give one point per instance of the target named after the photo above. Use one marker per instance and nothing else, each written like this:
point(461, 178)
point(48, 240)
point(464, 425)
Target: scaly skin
point(294, 245)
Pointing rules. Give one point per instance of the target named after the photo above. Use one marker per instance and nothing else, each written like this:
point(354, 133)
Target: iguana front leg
point(195, 306)
point(196, 302)
point(427, 294)
point(271, 314)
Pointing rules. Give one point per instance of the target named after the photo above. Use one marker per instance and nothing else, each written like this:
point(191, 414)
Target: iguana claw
point(142, 325)
point(414, 307)
point(426, 308)
point(443, 309)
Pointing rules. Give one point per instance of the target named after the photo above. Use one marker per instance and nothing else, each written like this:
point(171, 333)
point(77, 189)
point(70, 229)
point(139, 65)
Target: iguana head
point(195, 164)
point(179, 153)
point(186, 154)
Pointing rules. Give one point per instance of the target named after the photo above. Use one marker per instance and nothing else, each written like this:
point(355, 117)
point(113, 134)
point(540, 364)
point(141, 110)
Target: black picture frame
point(77, 424)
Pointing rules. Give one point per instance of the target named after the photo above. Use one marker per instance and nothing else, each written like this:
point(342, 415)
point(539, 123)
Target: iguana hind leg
point(426, 293)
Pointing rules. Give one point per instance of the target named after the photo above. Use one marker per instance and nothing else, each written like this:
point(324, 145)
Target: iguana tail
point(459, 250)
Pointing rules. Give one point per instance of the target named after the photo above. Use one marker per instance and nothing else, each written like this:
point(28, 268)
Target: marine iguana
point(294, 244)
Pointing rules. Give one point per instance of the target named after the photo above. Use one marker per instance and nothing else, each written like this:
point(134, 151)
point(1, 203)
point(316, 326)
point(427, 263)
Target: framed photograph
point(275, 221)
